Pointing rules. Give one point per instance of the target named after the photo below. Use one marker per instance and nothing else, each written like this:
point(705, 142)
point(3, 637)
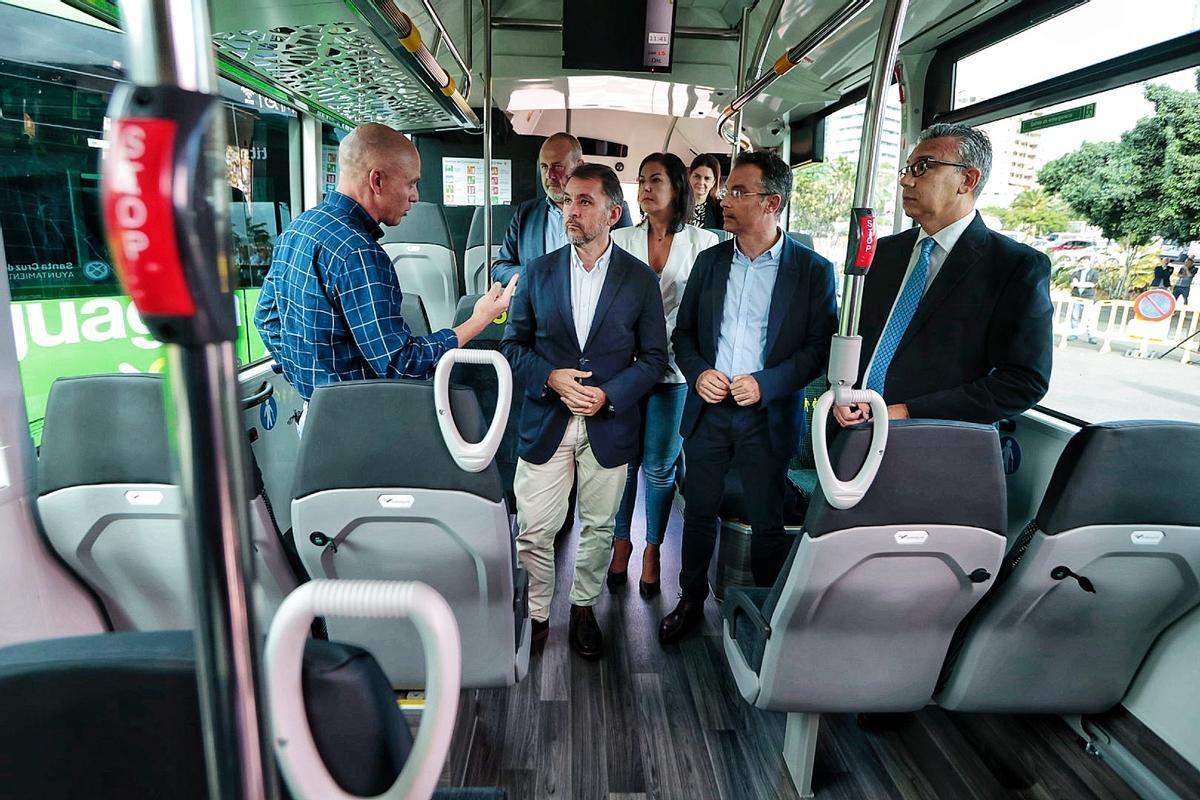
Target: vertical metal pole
point(743, 40)
point(890, 24)
point(170, 45)
point(487, 139)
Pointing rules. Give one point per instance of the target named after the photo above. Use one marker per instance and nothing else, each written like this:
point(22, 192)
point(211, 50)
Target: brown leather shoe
point(618, 568)
point(650, 583)
point(586, 638)
point(686, 616)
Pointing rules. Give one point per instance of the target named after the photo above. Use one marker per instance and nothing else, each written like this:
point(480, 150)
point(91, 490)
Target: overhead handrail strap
point(299, 759)
point(468, 456)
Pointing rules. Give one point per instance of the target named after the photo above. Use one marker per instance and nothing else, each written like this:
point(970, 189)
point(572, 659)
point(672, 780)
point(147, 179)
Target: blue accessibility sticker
point(1010, 454)
point(268, 413)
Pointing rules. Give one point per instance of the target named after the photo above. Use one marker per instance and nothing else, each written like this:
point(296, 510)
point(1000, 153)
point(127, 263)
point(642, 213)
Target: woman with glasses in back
point(669, 245)
point(704, 176)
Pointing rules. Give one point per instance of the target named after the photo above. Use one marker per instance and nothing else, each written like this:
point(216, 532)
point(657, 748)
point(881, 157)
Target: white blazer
point(686, 245)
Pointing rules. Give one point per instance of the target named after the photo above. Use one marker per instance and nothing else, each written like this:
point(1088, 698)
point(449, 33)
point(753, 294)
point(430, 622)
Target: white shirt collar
point(948, 236)
point(601, 262)
point(773, 251)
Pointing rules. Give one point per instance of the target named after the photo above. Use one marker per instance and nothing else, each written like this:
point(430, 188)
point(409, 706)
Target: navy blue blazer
point(626, 352)
point(800, 325)
point(978, 348)
point(525, 238)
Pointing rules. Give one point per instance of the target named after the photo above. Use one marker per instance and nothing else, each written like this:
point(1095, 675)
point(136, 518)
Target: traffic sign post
point(1153, 308)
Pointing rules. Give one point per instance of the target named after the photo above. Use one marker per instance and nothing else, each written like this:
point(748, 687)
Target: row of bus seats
point(918, 572)
point(376, 495)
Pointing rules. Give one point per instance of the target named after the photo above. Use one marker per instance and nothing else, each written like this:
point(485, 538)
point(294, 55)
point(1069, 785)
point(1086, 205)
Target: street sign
point(1154, 305)
point(1059, 118)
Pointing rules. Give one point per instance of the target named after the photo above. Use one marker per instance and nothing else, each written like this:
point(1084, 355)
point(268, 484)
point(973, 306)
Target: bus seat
point(423, 256)
point(869, 598)
point(110, 507)
point(1119, 512)
point(377, 495)
point(721, 233)
point(805, 239)
point(117, 716)
point(475, 276)
point(413, 309)
point(482, 379)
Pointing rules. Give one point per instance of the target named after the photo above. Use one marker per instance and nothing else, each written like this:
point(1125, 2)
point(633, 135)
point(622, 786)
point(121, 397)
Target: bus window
point(823, 193)
point(1087, 182)
point(68, 311)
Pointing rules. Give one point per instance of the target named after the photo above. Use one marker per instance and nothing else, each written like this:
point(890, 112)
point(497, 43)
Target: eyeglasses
point(921, 166)
point(738, 194)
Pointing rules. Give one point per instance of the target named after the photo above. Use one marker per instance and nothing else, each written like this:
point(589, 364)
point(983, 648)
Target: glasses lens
point(920, 167)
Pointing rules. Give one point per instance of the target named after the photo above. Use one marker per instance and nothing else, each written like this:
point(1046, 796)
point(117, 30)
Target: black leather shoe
point(539, 633)
point(686, 616)
point(622, 549)
point(650, 563)
point(616, 580)
point(586, 638)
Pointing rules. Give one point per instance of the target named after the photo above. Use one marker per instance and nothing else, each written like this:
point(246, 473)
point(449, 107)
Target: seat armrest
point(739, 604)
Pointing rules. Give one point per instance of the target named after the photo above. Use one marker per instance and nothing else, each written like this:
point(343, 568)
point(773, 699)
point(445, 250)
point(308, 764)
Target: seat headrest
point(934, 472)
point(384, 433)
point(104, 429)
point(425, 223)
point(501, 216)
point(494, 332)
point(1131, 472)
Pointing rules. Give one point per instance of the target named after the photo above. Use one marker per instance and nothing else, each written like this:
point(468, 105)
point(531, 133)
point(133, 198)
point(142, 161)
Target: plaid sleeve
point(370, 297)
point(266, 316)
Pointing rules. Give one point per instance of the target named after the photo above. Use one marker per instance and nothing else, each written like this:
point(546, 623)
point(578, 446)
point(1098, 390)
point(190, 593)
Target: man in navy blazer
point(753, 330)
point(537, 225)
point(955, 318)
point(586, 338)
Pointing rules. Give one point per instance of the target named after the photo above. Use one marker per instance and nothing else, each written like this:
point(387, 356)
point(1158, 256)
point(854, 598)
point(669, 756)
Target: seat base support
point(800, 750)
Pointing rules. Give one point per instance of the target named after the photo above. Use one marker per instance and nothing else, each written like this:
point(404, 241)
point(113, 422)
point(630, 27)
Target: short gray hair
point(974, 147)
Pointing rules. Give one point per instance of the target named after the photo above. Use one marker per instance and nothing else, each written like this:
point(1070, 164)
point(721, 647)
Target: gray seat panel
point(475, 276)
point(1040, 642)
point(423, 257)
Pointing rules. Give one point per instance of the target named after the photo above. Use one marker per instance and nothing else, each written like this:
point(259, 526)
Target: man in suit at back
point(955, 317)
point(537, 225)
point(586, 338)
point(753, 330)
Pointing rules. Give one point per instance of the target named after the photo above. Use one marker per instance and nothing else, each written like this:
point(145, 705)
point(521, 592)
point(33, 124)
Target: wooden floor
point(648, 722)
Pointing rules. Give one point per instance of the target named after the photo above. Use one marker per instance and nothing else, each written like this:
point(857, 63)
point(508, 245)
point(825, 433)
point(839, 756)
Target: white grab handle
point(299, 760)
point(472, 457)
point(846, 494)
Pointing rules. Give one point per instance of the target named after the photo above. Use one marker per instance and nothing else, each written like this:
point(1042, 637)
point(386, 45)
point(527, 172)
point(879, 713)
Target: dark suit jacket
point(626, 352)
point(800, 324)
point(978, 348)
point(525, 238)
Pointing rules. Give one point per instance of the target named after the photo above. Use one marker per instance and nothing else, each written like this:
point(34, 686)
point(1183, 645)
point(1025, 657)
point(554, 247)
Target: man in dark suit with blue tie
point(536, 227)
point(753, 330)
point(586, 338)
point(955, 317)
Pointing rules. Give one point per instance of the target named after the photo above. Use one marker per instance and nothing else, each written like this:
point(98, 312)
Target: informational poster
point(329, 167)
point(463, 181)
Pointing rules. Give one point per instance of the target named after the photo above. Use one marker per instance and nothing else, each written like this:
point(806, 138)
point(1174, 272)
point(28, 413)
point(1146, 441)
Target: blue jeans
point(662, 410)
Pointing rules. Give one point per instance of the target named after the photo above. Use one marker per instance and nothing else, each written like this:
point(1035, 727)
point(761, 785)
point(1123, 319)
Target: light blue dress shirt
point(742, 342)
point(556, 234)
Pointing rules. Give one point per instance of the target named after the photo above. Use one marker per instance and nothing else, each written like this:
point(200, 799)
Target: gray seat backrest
point(721, 233)
point(110, 507)
point(895, 570)
point(413, 309)
point(1119, 512)
point(423, 257)
point(803, 238)
point(377, 495)
point(475, 276)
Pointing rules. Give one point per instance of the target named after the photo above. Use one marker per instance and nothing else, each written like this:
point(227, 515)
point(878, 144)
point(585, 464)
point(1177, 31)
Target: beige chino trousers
point(542, 492)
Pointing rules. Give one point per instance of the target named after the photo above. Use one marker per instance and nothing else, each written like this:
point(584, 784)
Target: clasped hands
point(713, 387)
point(585, 401)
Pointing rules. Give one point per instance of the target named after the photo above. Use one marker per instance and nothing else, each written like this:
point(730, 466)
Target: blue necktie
point(902, 314)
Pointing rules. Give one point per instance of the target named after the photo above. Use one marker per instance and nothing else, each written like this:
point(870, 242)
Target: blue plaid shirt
point(330, 304)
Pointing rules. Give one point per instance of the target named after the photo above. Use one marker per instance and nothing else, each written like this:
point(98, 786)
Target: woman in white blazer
point(669, 245)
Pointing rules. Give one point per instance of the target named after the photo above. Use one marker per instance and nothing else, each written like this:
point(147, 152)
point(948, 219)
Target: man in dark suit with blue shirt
point(586, 338)
point(955, 318)
point(753, 330)
point(537, 225)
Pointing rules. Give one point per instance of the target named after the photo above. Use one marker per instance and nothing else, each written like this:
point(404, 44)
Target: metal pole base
point(800, 750)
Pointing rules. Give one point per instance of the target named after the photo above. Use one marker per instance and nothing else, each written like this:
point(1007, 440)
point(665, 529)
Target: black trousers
point(728, 436)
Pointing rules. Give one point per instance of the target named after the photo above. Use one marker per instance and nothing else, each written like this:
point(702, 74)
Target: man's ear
point(971, 176)
point(774, 203)
point(614, 214)
point(375, 181)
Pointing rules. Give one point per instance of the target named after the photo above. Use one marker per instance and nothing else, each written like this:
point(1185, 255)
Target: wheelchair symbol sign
point(268, 413)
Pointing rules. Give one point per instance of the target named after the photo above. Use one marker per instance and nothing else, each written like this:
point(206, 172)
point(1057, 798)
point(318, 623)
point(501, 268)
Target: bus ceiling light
point(791, 58)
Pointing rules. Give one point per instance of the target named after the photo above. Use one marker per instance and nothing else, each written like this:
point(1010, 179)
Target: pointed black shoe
point(539, 632)
point(649, 590)
point(687, 616)
point(586, 639)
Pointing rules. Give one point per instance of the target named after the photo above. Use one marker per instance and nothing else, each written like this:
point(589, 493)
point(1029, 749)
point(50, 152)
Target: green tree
point(1036, 212)
point(821, 197)
point(1142, 187)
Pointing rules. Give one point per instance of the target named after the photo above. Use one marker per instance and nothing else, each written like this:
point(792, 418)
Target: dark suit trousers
point(730, 436)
